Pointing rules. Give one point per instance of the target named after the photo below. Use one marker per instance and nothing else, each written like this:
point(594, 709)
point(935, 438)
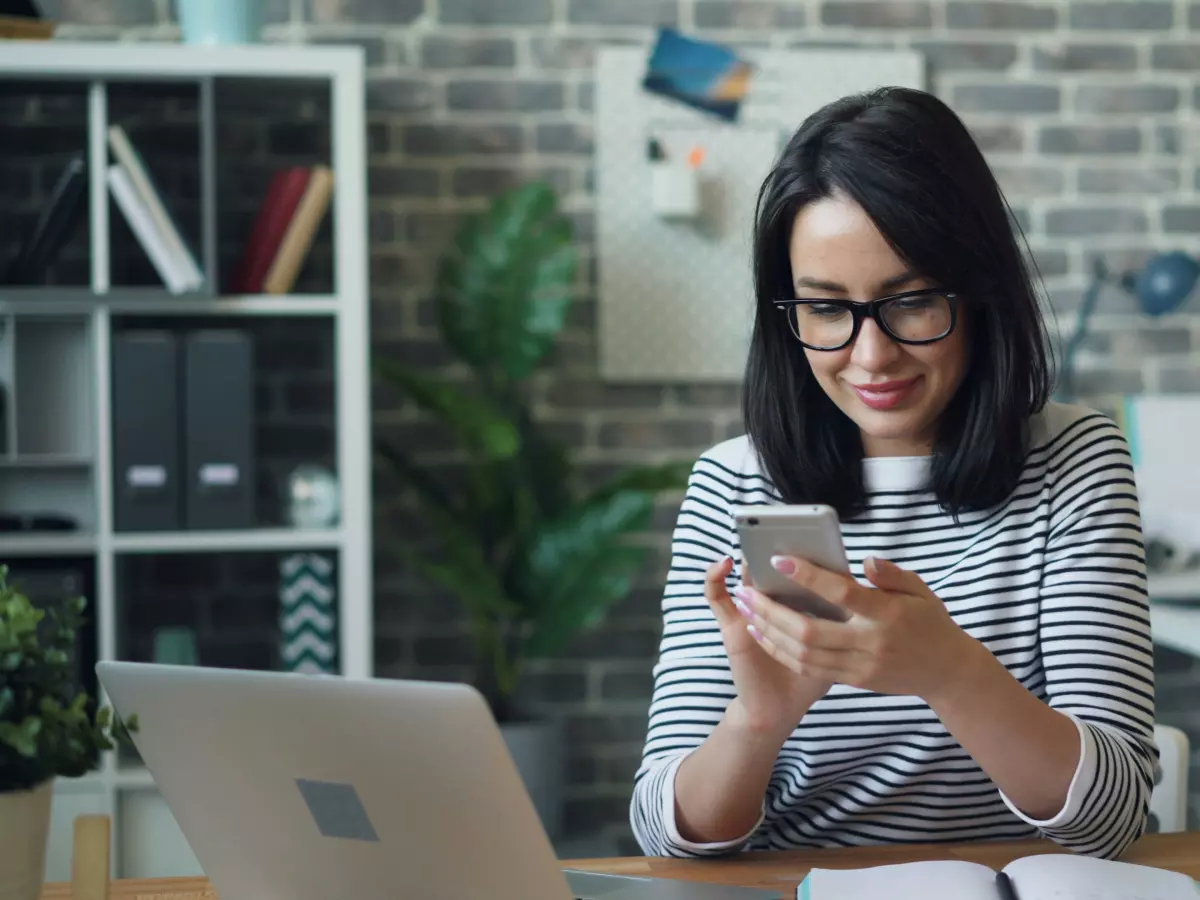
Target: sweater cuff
point(667, 805)
point(1077, 792)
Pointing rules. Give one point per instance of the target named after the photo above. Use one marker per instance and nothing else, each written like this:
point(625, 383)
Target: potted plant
point(47, 730)
point(532, 554)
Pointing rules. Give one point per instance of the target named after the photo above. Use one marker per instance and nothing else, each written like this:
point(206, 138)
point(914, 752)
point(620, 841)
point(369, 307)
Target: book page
point(1061, 876)
point(904, 881)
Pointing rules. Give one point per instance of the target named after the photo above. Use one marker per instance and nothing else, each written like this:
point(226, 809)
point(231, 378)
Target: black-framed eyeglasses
point(913, 317)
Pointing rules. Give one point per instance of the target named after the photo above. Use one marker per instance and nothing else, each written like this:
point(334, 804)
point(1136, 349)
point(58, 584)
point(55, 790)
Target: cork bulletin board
point(675, 296)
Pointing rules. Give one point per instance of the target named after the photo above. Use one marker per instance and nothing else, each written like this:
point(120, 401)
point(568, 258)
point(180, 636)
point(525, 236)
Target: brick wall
point(1088, 111)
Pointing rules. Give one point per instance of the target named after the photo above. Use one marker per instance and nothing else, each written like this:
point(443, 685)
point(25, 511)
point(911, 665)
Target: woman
point(994, 679)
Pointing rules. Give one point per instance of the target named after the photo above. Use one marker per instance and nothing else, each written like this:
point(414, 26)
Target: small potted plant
point(534, 555)
point(48, 730)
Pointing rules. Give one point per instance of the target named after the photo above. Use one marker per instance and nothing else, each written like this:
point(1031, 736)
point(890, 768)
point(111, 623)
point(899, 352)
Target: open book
point(1050, 876)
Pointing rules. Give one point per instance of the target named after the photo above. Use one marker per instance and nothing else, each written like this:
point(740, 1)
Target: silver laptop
point(311, 787)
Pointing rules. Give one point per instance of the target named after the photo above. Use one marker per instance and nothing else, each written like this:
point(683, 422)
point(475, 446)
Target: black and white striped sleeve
point(692, 682)
point(1094, 626)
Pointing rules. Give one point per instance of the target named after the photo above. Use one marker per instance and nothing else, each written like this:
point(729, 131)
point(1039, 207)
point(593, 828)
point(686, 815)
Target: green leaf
point(509, 500)
point(580, 565)
point(408, 471)
point(587, 606)
point(465, 575)
point(475, 421)
point(546, 470)
point(22, 737)
point(464, 568)
point(672, 476)
point(502, 295)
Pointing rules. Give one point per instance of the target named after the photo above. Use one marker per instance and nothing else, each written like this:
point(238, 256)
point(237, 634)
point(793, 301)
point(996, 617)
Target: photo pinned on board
point(706, 76)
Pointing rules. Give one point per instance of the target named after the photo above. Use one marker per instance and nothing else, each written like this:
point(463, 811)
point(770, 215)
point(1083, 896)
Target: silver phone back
point(803, 532)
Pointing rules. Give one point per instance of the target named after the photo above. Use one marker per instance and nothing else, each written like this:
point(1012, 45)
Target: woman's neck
point(906, 446)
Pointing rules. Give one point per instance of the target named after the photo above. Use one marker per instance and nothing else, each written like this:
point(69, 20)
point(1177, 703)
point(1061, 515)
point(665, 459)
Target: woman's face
point(894, 392)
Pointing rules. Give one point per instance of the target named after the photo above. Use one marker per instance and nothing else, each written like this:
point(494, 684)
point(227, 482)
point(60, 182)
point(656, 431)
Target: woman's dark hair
point(910, 163)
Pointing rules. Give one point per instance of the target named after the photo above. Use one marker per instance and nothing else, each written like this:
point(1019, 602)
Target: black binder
point(219, 429)
point(147, 492)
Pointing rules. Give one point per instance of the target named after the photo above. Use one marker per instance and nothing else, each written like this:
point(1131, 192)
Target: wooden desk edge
point(781, 871)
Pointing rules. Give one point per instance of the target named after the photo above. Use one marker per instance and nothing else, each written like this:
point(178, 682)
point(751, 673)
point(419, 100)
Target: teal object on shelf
point(176, 646)
point(220, 22)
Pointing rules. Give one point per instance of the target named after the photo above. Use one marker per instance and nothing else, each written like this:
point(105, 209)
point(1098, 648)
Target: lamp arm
point(1090, 298)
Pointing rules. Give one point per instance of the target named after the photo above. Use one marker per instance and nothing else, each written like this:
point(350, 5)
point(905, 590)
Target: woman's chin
point(893, 426)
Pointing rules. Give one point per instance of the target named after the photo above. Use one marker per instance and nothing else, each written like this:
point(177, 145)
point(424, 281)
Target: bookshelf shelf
point(59, 344)
point(47, 544)
point(36, 299)
point(134, 777)
point(127, 777)
point(46, 461)
point(273, 539)
point(86, 60)
point(156, 303)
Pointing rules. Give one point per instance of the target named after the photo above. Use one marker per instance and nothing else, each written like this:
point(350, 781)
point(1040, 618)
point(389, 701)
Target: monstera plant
point(533, 556)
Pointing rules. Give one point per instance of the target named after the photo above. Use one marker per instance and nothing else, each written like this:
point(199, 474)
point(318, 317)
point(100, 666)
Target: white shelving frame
point(95, 65)
point(1175, 610)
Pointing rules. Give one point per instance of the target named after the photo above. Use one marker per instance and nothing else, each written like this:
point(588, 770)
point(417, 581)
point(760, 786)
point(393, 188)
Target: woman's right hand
point(770, 696)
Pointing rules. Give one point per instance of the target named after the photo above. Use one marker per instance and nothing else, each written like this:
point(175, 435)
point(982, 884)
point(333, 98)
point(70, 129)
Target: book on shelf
point(297, 240)
point(140, 201)
point(59, 217)
point(1044, 876)
point(143, 226)
point(281, 237)
point(22, 20)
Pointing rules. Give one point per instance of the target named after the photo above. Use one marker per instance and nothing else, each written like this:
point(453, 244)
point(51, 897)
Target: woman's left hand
point(899, 638)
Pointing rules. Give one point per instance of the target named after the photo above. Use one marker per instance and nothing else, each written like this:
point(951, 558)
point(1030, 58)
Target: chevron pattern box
point(308, 614)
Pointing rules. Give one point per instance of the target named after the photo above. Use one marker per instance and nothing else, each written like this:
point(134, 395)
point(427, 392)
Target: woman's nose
point(873, 349)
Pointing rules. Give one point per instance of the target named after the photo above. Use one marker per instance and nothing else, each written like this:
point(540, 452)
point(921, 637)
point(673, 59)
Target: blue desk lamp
point(1160, 286)
point(1164, 282)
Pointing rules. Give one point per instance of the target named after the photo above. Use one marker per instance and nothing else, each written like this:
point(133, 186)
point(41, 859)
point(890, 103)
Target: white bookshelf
point(56, 341)
point(1175, 610)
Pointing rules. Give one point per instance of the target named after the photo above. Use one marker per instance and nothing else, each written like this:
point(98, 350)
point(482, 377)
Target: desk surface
point(782, 871)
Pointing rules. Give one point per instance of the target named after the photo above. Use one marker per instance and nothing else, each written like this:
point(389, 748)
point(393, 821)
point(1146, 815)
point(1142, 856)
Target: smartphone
point(808, 532)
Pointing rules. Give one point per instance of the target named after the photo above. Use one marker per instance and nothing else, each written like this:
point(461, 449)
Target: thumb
point(888, 576)
point(716, 593)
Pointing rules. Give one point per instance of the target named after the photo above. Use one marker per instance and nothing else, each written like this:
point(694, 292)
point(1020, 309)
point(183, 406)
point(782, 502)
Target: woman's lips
point(886, 394)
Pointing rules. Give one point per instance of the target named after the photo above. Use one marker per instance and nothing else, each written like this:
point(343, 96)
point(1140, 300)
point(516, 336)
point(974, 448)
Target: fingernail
point(744, 593)
point(743, 608)
point(755, 633)
point(784, 564)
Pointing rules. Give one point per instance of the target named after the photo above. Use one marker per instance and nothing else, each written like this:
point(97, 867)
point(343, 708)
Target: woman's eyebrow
point(890, 284)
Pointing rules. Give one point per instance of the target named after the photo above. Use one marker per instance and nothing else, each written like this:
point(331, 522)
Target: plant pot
point(24, 830)
point(538, 750)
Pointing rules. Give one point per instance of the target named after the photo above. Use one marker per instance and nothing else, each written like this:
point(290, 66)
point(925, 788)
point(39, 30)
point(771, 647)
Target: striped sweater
point(1052, 582)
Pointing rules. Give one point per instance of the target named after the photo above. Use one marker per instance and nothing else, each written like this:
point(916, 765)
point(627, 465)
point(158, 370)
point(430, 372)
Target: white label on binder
point(219, 474)
point(146, 476)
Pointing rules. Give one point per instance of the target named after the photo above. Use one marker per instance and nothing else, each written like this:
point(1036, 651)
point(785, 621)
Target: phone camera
point(752, 521)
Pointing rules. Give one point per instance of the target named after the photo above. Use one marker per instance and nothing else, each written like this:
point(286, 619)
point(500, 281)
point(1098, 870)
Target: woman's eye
point(825, 309)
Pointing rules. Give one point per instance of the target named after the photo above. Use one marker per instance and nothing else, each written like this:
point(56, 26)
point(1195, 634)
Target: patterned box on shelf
point(308, 614)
